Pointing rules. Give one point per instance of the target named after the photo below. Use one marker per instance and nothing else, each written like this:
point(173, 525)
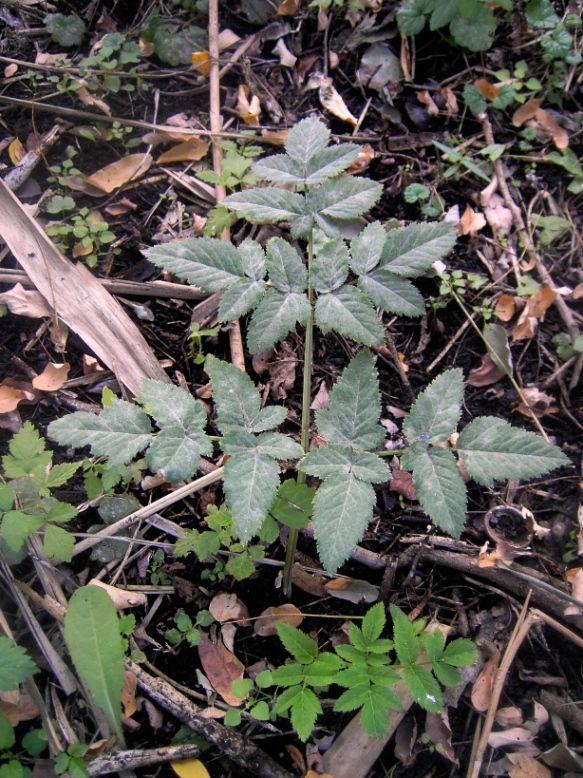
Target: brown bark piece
point(78, 298)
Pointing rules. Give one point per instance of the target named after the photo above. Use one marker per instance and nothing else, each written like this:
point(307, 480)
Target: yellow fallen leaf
point(249, 110)
point(146, 47)
point(288, 7)
point(190, 151)
point(119, 173)
point(82, 249)
point(52, 377)
point(16, 151)
point(201, 61)
point(190, 768)
point(332, 102)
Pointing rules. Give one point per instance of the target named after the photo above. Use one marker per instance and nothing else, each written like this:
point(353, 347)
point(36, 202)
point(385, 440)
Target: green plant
point(367, 671)
point(567, 347)
point(72, 762)
point(568, 160)
point(173, 43)
point(187, 630)
point(65, 30)
point(195, 336)
point(459, 159)
point(87, 228)
point(158, 577)
point(354, 6)
point(336, 287)
point(26, 503)
point(103, 69)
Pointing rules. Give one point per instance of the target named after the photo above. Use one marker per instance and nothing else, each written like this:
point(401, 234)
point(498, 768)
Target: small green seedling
point(188, 630)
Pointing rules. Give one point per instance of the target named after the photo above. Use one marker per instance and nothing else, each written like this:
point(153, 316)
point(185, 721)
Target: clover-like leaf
point(350, 313)
point(492, 450)
point(211, 264)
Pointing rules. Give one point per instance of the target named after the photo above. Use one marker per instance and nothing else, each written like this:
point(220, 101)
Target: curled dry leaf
point(52, 377)
point(470, 222)
point(228, 607)
point(482, 688)
point(486, 374)
point(321, 398)
point(190, 151)
point(402, 483)
point(451, 104)
point(517, 736)
point(405, 739)
point(26, 302)
point(505, 307)
point(201, 61)
point(282, 372)
point(18, 706)
point(438, 729)
point(93, 102)
point(425, 99)
point(540, 301)
point(16, 151)
point(330, 100)
point(228, 633)
point(524, 766)
point(504, 552)
point(288, 7)
point(249, 109)
point(286, 58)
point(286, 613)
point(128, 694)
point(312, 583)
point(563, 758)
point(120, 207)
point(121, 598)
point(489, 90)
point(509, 717)
point(352, 589)
point(577, 593)
point(362, 161)
point(10, 70)
point(559, 134)
point(221, 667)
point(117, 174)
point(10, 396)
point(538, 719)
point(525, 112)
point(537, 403)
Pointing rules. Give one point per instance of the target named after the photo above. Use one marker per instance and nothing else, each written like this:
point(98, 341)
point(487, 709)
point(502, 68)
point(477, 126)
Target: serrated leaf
point(16, 665)
point(7, 497)
point(475, 33)
point(330, 266)
point(206, 545)
point(176, 452)
point(285, 700)
point(411, 15)
point(58, 543)
point(350, 654)
point(275, 317)
point(445, 11)
point(293, 505)
point(185, 545)
point(342, 509)
point(250, 482)
point(280, 168)
point(288, 675)
point(423, 687)
point(57, 511)
point(437, 409)
point(498, 347)
point(374, 716)
point(344, 198)
point(323, 670)
point(433, 643)
point(8, 736)
point(351, 418)
point(492, 450)
point(439, 486)
point(269, 417)
point(252, 259)
point(305, 709)
point(410, 251)
point(278, 446)
point(237, 399)
point(330, 162)
point(17, 526)
point(342, 460)
point(209, 263)
point(392, 293)
point(404, 637)
point(460, 653)
point(94, 643)
point(474, 99)
point(350, 313)
point(366, 249)
point(119, 432)
point(446, 674)
point(373, 623)
point(237, 441)
point(240, 298)
point(60, 474)
point(287, 271)
point(306, 139)
point(240, 566)
point(269, 204)
point(303, 649)
point(27, 454)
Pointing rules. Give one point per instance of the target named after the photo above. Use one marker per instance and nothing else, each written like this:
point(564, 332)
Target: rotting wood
point(78, 298)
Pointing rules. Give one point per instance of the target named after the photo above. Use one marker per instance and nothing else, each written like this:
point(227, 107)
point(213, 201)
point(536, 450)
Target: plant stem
point(292, 540)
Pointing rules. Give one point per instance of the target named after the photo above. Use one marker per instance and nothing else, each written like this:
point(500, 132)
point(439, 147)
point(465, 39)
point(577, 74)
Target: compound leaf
point(275, 317)
point(237, 399)
point(269, 417)
point(280, 168)
point(278, 446)
point(404, 637)
point(266, 205)
point(342, 460)
point(304, 711)
point(423, 687)
point(176, 451)
point(252, 259)
point(27, 454)
point(330, 266)
point(344, 198)
point(170, 405)
point(251, 482)
point(460, 653)
point(17, 526)
point(303, 649)
point(342, 509)
point(287, 272)
point(16, 665)
point(119, 432)
point(350, 313)
point(410, 251)
point(366, 249)
point(493, 450)
point(94, 642)
point(373, 623)
point(240, 298)
point(354, 408)
point(439, 486)
point(211, 264)
point(392, 293)
point(437, 409)
point(306, 140)
point(330, 162)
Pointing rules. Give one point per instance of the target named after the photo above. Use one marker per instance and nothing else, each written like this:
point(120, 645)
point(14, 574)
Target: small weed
point(187, 630)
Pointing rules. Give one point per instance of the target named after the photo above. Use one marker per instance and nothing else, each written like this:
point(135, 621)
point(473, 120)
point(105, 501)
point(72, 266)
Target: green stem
point(292, 540)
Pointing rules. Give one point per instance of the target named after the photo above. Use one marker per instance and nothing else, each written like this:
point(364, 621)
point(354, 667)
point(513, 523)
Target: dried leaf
point(228, 607)
point(10, 70)
point(451, 104)
point(52, 377)
point(147, 47)
point(577, 593)
point(486, 374)
point(275, 137)
point(190, 151)
point(504, 552)
point(559, 134)
point(537, 403)
point(321, 398)
point(509, 717)
point(525, 327)
point(286, 613)
point(332, 102)
point(120, 207)
point(482, 688)
point(489, 90)
point(540, 301)
point(282, 372)
point(470, 222)
point(18, 706)
point(498, 216)
point(201, 61)
point(539, 717)
point(190, 768)
point(228, 633)
point(121, 598)
point(352, 589)
point(249, 110)
point(227, 38)
point(563, 758)
point(117, 174)
point(286, 58)
point(312, 583)
point(425, 99)
point(16, 151)
point(94, 102)
point(527, 767)
point(25, 302)
point(438, 729)
point(14, 392)
point(402, 483)
point(505, 307)
point(405, 738)
point(221, 667)
point(525, 112)
point(288, 7)
point(128, 694)
point(517, 736)
point(362, 161)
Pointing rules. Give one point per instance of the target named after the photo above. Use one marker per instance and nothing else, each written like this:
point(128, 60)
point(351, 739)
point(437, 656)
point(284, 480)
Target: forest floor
point(121, 132)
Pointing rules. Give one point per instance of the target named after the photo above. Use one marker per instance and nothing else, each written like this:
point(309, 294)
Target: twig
point(129, 760)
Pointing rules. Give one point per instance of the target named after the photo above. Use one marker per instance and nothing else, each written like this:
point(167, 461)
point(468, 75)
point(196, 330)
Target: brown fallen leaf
point(352, 589)
point(451, 104)
point(228, 607)
point(286, 613)
point(540, 301)
point(559, 134)
point(10, 396)
point(524, 766)
point(405, 739)
point(201, 61)
point(517, 736)
point(128, 694)
point(94, 102)
point(121, 598)
point(26, 302)
point(275, 137)
point(438, 729)
point(402, 483)
point(221, 667)
point(288, 7)
point(482, 689)
point(470, 222)
point(486, 374)
point(190, 151)
point(312, 583)
point(282, 372)
point(425, 99)
point(120, 207)
point(333, 102)
point(525, 112)
point(117, 174)
point(510, 716)
point(10, 70)
point(498, 216)
point(364, 158)
point(563, 758)
point(489, 90)
point(577, 593)
point(538, 403)
point(18, 706)
point(505, 307)
point(16, 151)
point(52, 377)
point(249, 109)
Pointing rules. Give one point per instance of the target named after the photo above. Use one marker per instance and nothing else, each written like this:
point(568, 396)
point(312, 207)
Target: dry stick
point(237, 748)
point(524, 623)
point(520, 227)
point(148, 510)
point(131, 760)
point(216, 120)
